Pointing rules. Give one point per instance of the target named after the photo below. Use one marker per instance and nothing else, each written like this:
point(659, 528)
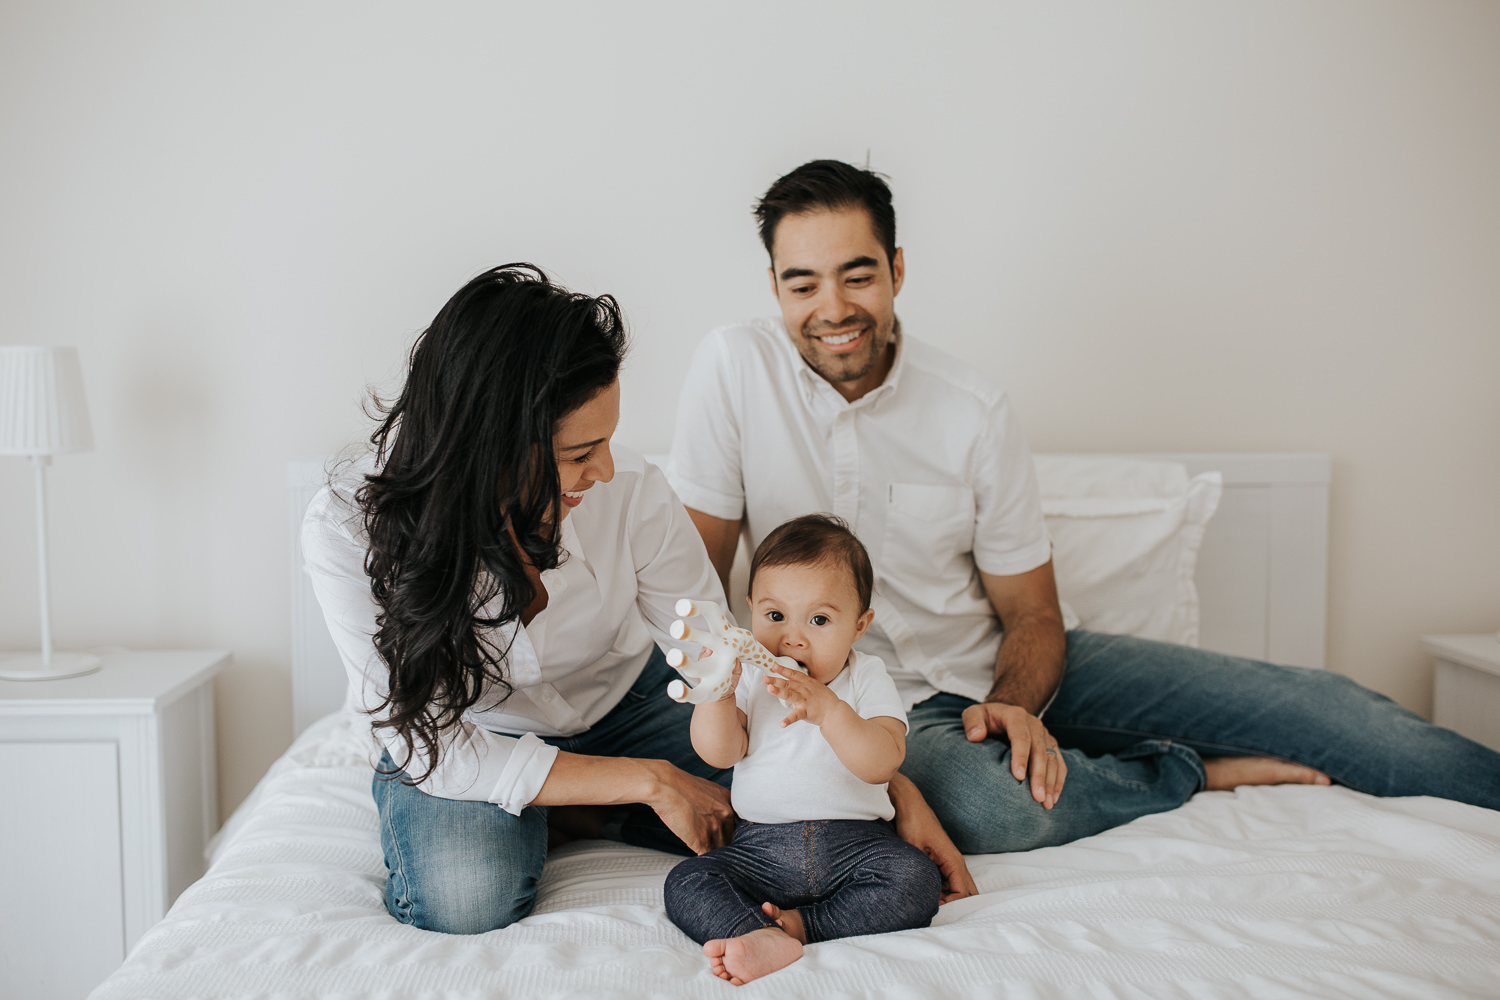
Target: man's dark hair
point(829, 185)
point(815, 540)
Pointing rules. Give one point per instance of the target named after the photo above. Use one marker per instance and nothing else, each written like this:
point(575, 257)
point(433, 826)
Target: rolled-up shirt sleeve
point(474, 763)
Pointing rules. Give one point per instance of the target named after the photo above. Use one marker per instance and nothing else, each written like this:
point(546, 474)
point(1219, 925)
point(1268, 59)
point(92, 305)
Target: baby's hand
point(807, 698)
point(734, 678)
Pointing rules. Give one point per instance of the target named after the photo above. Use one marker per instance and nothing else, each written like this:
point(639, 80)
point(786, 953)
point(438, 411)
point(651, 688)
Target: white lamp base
point(29, 666)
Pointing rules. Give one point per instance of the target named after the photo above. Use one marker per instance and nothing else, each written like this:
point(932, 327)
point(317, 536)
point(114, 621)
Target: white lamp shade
point(42, 409)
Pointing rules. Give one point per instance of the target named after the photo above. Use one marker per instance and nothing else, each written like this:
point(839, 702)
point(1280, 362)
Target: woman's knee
point(458, 867)
point(455, 900)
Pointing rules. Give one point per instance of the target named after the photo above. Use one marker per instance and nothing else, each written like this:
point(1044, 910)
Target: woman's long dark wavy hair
point(466, 489)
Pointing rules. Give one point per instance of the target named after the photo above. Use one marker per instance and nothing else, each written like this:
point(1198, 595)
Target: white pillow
point(1125, 538)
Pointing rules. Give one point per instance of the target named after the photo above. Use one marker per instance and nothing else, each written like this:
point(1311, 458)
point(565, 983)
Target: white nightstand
point(1466, 685)
point(108, 795)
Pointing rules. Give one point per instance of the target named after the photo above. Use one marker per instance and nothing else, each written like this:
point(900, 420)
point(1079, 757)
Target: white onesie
point(792, 774)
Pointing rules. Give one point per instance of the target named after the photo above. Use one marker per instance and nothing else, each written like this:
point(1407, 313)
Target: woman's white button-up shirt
point(630, 553)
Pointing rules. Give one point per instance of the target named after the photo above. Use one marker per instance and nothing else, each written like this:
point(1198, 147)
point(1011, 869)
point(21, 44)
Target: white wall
point(1165, 226)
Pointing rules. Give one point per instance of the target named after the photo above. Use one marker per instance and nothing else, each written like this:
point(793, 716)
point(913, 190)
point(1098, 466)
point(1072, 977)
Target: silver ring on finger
point(1051, 750)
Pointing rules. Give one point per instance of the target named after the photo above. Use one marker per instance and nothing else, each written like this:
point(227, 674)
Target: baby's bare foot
point(788, 920)
point(1225, 773)
point(752, 955)
point(715, 951)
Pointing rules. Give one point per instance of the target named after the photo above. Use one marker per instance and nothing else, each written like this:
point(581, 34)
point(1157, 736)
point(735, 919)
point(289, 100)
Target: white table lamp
point(43, 413)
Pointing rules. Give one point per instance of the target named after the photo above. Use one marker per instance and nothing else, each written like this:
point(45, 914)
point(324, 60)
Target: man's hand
point(806, 697)
point(695, 809)
point(918, 825)
point(1030, 744)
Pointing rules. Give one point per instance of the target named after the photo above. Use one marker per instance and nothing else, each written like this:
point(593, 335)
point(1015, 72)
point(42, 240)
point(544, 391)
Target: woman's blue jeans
point(845, 876)
point(467, 867)
point(1134, 719)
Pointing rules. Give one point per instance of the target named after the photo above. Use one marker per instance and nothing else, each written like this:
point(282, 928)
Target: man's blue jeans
point(467, 867)
point(845, 876)
point(1135, 718)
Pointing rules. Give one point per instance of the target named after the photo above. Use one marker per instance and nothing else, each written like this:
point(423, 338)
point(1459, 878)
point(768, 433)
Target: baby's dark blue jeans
point(846, 876)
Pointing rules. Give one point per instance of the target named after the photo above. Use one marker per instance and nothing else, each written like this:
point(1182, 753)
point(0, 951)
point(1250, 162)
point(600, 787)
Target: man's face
point(838, 296)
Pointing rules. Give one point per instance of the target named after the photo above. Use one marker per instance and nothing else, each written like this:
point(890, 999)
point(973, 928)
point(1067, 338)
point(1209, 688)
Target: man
point(835, 408)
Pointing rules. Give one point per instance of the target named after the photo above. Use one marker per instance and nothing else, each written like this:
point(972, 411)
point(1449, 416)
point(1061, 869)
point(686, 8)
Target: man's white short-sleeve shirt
point(791, 774)
point(930, 469)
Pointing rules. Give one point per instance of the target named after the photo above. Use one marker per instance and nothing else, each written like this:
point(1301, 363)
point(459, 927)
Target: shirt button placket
point(846, 469)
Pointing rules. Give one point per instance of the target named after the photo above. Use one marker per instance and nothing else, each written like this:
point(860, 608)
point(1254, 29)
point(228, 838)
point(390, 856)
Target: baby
point(814, 856)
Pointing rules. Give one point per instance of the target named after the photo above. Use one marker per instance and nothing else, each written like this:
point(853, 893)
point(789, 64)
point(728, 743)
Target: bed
point(1262, 892)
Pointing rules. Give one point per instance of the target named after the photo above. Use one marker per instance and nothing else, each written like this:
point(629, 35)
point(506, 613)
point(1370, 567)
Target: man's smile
point(837, 339)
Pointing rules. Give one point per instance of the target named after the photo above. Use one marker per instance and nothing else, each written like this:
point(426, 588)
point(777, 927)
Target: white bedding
point(1266, 892)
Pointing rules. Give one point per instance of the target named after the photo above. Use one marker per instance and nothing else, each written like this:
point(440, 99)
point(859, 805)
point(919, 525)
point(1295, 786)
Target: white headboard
point(1262, 571)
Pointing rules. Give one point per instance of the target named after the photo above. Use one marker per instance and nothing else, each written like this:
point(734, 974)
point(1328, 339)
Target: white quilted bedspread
point(1266, 892)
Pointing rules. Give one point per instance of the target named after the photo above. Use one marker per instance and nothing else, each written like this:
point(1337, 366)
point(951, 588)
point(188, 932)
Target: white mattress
point(1266, 892)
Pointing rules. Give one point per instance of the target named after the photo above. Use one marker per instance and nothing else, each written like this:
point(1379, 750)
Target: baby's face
point(810, 613)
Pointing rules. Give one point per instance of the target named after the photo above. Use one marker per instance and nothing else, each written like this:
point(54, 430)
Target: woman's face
point(581, 446)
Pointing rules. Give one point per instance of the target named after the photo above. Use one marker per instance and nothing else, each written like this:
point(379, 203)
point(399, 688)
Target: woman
point(494, 576)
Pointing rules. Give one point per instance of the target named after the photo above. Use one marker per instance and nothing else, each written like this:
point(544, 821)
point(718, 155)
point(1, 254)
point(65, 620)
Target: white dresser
point(108, 795)
point(1466, 685)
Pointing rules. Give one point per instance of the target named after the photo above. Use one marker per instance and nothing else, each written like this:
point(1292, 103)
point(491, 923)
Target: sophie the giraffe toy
point(725, 642)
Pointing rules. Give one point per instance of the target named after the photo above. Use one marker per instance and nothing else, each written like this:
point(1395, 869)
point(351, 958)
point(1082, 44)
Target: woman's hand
point(918, 825)
point(695, 809)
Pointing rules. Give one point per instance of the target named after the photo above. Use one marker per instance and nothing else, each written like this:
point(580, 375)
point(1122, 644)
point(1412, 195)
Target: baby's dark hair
point(813, 540)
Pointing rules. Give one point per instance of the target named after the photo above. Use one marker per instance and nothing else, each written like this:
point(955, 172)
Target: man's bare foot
point(752, 955)
point(788, 920)
point(1226, 773)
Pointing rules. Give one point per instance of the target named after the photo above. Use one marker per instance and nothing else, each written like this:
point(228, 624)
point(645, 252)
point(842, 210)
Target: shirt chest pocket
point(927, 530)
